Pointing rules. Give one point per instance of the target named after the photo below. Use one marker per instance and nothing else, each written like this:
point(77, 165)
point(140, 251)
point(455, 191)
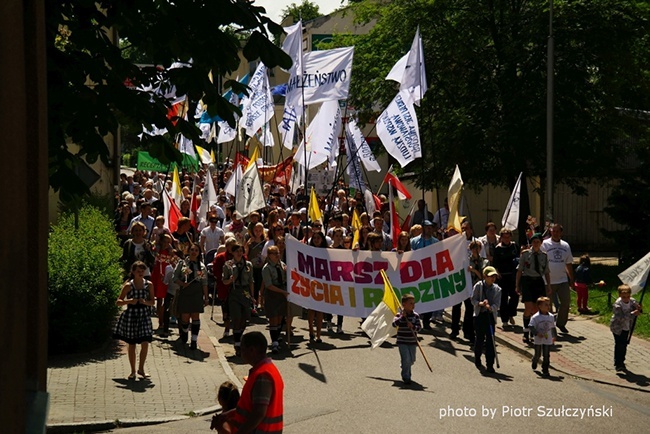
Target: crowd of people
point(239, 263)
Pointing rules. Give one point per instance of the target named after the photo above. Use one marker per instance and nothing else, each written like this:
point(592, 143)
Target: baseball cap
point(490, 271)
point(427, 223)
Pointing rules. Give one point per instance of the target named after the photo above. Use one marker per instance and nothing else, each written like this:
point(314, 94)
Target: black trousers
point(545, 352)
point(509, 297)
point(169, 299)
point(484, 338)
point(620, 348)
point(468, 319)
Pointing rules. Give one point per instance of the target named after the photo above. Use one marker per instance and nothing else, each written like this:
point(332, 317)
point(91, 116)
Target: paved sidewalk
point(587, 352)
point(91, 391)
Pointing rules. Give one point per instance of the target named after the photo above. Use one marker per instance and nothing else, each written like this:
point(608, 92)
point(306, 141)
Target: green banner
point(149, 163)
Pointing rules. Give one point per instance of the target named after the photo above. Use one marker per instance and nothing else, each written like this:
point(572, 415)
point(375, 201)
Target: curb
point(528, 354)
point(106, 425)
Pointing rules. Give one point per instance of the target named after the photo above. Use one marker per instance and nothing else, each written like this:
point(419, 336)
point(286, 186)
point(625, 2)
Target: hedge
point(84, 281)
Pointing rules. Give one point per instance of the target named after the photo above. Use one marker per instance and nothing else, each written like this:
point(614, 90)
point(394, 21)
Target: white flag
point(176, 193)
point(250, 196)
point(322, 136)
point(267, 136)
point(226, 132)
point(454, 194)
point(325, 76)
point(363, 149)
point(397, 127)
point(408, 74)
point(370, 202)
point(231, 185)
point(208, 198)
point(354, 165)
point(510, 218)
point(637, 275)
point(186, 146)
point(258, 106)
point(292, 109)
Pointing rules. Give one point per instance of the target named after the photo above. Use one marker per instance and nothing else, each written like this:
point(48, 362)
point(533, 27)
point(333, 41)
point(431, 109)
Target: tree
point(486, 66)
point(93, 85)
point(305, 11)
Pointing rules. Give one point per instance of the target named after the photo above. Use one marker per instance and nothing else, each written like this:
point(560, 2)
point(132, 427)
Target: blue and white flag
point(364, 152)
point(258, 107)
point(510, 219)
point(325, 76)
point(354, 165)
point(397, 127)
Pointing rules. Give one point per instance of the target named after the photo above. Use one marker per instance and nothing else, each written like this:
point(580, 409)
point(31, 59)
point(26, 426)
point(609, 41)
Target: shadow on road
point(136, 386)
point(311, 371)
point(631, 377)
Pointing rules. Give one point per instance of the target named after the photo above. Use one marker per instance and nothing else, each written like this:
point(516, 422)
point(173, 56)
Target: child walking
point(408, 324)
point(542, 329)
point(228, 397)
point(625, 307)
point(486, 299)
point(582, 281)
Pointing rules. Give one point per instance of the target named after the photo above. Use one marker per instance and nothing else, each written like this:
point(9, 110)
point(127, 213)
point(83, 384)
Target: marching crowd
point(239, 264)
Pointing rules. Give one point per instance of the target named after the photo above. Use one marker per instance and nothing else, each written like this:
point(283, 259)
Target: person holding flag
point(408, 324)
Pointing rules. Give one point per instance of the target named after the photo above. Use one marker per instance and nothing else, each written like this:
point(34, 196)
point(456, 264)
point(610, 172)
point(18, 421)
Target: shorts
point(532, 288)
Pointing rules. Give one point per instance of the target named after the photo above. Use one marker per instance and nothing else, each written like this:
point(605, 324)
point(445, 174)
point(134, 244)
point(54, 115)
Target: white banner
point(258, 105)
point(637, 275)
point(322, 136)
point(360, 143)
point(325, 77)
point(250, 196)
point(397, 127)
point(349, 283)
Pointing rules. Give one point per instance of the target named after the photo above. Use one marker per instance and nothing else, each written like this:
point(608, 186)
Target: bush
point(84, 280)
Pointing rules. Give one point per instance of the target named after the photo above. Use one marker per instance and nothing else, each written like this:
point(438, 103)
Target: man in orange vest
point(260, 407)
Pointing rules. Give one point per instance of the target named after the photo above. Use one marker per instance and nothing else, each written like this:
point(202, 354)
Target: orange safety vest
point(272, 422)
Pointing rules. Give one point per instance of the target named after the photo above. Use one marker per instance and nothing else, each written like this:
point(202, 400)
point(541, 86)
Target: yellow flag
point(453, 195)
point(314, 210)
point(356, 226)
point(254, 157)
point(212, 155)
point(390, 298)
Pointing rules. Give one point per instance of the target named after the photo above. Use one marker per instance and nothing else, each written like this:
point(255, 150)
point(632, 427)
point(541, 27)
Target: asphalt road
point(343, 386)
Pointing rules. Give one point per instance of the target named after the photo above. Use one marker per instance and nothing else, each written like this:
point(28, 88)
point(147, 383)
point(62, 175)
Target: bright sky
point(274, 7)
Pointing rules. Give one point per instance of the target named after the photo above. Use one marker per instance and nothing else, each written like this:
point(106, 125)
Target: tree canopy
point(486, 67)
point(93, 84)
point(306, 11)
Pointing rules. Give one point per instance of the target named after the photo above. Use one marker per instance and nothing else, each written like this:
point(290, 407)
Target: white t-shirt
point(544, 325)
point(139, 253)
point(559, 255)
point(212, 238)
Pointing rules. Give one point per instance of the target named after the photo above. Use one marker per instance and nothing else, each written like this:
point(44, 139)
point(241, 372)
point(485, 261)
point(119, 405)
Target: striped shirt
point(406, 336)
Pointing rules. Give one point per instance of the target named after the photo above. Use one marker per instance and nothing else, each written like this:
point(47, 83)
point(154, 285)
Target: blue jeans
point(407, 356)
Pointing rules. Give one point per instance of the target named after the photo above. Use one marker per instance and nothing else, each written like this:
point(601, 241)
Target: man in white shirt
point(560, 261)
point(212, 236)
point(441, 217)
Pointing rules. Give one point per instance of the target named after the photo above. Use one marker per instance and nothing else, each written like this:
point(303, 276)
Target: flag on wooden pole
point(379, 324)
point(510, 218)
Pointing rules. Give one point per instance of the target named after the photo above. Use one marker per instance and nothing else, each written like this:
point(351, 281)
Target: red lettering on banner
point(342, 271)
point(427, 268)
point(444, 262)
point(380, 266)
point(362, 270)
point(410, 271)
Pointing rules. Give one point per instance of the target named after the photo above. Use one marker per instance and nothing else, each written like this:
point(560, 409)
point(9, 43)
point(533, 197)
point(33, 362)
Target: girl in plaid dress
point(134, 325)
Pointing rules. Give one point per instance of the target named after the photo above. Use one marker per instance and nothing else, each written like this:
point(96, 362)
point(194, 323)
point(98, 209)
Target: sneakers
point(490, 370)
point(545, 373)
point(406, 380)
point(621, 368)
